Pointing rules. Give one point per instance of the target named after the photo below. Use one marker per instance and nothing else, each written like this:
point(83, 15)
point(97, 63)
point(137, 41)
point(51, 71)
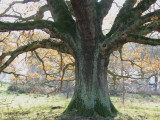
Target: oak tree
point(78, 24)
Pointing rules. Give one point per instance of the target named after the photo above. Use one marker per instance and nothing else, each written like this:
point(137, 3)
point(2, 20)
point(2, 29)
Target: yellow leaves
point(141, 57)
point(138, 1)
point(51, 58)
point(25, 13)
point(21, 33)
point(154, 18)
point(52, 64)
point(18, 41)
point(148, 69)
point(136, 55)
point(29, 10)
point(67, 59)
point(50, 78)
point(147, 55)
point(35, 76)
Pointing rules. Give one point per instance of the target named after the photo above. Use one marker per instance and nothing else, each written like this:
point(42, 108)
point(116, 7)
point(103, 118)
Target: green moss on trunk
point(102, 109)
point(91, 95)
point(79, 106)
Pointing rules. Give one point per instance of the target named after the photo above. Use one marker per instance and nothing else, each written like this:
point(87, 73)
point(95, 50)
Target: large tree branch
point(122, 28)
point(62, 16)
point(59, 11)
point(56, 29)
point(123, 17)
point(104, 7)
point(142, 20)
point(69, 5)
point(127, 21)
point(148, 28)
point(65, 32)
point(39, 24)
point(143, 40)
point(127, 7)
point(60, 46)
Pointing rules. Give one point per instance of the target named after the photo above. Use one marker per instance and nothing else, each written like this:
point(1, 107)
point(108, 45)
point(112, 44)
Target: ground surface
point(40, 107)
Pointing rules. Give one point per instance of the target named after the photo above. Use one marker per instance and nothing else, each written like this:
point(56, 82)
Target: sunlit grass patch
point(139, 107)
point(30, 106)
point(15, 106)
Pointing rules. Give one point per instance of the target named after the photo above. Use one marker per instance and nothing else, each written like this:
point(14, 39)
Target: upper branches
point(142, 20)
point(63, 26)
point(134, 19)
point(38, 16)
point(56, 29)
point(130, 21)
point(143, 6)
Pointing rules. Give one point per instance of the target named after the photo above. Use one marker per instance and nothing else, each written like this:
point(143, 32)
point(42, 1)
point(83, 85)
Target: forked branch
point(60, 46)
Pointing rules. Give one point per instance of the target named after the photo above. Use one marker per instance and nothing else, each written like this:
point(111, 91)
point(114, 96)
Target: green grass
point(138, 107)
point(40, 107)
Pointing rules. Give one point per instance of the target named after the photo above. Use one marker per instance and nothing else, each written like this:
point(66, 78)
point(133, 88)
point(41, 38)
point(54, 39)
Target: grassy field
point(41, 107)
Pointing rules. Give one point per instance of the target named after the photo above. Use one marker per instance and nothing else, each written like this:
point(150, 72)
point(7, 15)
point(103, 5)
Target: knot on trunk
point(103, 48)
point(124, 35)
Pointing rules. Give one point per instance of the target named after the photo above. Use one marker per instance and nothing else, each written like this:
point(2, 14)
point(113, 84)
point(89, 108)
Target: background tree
point(141, 64)
point(78, 24)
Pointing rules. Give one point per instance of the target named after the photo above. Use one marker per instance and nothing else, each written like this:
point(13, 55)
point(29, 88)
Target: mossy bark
point(91, 95)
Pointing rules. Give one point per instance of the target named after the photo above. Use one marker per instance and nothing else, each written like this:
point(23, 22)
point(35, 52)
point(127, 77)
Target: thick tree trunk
point(91, 91)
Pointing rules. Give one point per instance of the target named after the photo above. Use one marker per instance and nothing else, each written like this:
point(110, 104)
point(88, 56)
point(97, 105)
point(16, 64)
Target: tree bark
point(91, 93)
point(83, 35)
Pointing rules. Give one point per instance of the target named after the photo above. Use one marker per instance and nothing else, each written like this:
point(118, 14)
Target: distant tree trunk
point(91, 93)
point(156, 83)
point(123, 89)
point(68, 91)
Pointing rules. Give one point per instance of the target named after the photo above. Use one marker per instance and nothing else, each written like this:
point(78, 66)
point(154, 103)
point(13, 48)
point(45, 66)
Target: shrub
point(25, 88)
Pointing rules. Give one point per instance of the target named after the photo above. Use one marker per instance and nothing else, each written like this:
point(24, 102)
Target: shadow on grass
point(57, 107)
point(74, 116)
